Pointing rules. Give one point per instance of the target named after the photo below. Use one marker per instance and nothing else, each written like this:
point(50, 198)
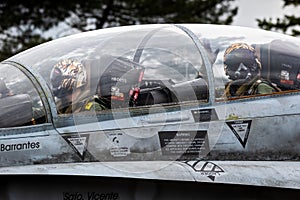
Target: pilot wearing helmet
point(243, 68)
point(68, 81)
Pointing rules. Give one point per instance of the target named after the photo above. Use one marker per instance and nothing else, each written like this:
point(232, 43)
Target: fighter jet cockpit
point(155, 67)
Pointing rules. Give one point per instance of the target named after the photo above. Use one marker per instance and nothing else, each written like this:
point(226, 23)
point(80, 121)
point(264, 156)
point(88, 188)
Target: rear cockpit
point(250, 63)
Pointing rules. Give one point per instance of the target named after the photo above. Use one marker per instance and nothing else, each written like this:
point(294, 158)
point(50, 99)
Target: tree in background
point(288, 22)
point(24, 23)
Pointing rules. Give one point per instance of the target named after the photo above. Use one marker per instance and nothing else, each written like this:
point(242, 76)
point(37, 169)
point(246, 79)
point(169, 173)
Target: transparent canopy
point(144, 65)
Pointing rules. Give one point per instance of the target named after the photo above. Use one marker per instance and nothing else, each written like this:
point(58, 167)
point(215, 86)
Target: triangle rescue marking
point(78, 143)
point(241, 130)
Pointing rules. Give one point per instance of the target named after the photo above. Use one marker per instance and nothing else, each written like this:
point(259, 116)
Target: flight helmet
point(67, 76)
point(240, 62)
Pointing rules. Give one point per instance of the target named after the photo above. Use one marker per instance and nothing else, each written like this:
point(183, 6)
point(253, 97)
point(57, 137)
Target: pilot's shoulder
point(264, 87)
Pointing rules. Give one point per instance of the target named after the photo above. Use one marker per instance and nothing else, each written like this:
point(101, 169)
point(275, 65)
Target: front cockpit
point(137, 66)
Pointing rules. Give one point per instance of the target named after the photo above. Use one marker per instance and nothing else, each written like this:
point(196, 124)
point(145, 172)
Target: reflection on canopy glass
point(19, 101)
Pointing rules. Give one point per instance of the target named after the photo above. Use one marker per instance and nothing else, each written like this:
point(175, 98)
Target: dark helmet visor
point(238, 56)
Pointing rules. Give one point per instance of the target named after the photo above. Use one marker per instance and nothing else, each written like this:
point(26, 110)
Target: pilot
point(68, 81)
point(243, 68)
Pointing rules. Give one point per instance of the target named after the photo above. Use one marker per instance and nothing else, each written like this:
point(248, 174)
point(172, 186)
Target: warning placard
point(185, 143)
point(118, 143)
